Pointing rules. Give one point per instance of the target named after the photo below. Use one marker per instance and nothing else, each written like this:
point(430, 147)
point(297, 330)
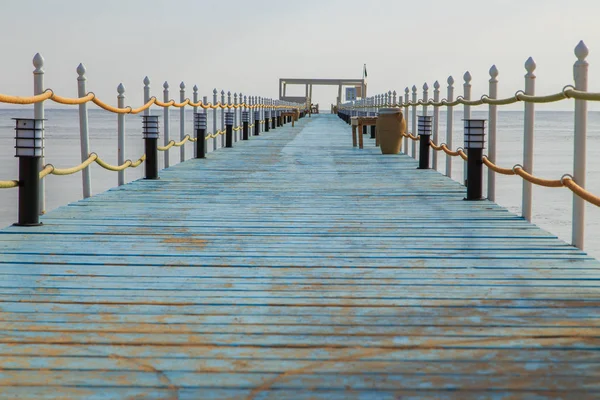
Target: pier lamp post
point(229, 129)
point(200, 123)
point(267, 119)
point(29, 150)
point(425, 122)
point(256, 122)
point(245, 124)
point(150, 134)
point(474, 144)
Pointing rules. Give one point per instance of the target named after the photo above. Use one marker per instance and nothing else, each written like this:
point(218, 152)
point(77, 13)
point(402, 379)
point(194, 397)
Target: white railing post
point(492, 126)
point(235, 117)
point(467, 113)
point(205, 111)
point(436, 123)
point(240, 110)
point(121, 133)
point(146, 94)
point(166, 124)
point(182, 121)
point(260, 114)
point(222, 117)
point(529, 120)
point(195, 110)
point(229, 109)
point(84, 135)
point(214, 119)
point(389, 99)
point(580, 75)
point(38, 113)
point(406, 115)
point(449, 125)
point(414, 121)
point(394, 98)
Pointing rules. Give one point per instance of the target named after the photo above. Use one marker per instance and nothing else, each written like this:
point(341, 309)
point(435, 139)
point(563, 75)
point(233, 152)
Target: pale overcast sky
point(247, 45)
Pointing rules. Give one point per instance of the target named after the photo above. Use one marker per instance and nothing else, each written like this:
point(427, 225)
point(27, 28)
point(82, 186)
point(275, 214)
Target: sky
point(248, 45)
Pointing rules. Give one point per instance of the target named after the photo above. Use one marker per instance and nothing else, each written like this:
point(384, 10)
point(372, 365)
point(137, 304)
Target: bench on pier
point(357, 125)
point(292, 114)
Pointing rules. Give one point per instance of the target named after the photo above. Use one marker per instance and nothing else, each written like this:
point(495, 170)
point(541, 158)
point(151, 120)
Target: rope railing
point(91, 97)
point(236, 112)
point(173, 143)
point(568, 92)
point(565, 181)
point(50, 169)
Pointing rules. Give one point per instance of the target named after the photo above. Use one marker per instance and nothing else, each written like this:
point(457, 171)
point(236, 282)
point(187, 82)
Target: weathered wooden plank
point(294, 266)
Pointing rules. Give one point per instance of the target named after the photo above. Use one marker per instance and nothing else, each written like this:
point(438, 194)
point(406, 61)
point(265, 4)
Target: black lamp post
point(30, 150)
point(474, 144)
point(229, 129)
point(150, 131)
point(424, 130)
point(200, 123)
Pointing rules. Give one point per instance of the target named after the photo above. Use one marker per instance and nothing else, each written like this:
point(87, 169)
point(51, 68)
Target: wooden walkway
point(295, 267)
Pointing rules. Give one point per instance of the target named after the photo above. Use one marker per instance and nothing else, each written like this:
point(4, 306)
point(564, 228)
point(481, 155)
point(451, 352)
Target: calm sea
point(553, 157)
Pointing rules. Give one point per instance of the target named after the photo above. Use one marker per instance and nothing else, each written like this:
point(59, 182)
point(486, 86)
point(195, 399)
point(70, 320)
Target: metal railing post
point(121, 133)
point(580, 76)
point(493, 118)
point(182, 121)
point(449, 125)
point(214, 119)
point(194, 112)
point(84, 136)
point(38, 113)
point(166, 124)
point(467, 112)
point(406, 115)
point(414, 120)
point(528, 139)
point(436, 123)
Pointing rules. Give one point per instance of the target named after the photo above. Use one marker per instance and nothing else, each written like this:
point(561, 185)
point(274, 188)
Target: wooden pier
point(295, 266)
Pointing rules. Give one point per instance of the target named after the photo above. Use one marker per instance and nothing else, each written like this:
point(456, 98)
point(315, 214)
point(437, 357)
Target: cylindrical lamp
point(200, 126)
point(150, 133)
point(29, 137)
point(424, 130)
point(474, 144)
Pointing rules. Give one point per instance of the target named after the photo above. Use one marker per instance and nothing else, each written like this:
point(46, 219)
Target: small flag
point(365, 71)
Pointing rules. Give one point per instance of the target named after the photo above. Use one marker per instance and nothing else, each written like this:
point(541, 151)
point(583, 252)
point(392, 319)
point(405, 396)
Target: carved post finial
point(530, 66)
point(493, 72)
point(38, 63)
point(581, 51)
point(81, 71)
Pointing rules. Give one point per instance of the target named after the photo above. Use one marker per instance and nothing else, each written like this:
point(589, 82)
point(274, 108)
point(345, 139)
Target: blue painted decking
point(295, 266)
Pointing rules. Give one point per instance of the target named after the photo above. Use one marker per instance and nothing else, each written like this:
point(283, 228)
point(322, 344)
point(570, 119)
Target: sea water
point(553, 157)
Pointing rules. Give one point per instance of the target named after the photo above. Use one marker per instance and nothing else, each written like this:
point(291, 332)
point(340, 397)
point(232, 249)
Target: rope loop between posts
point(50, 169)
point(174, 143)
point(566, 180)
point(49, 94)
